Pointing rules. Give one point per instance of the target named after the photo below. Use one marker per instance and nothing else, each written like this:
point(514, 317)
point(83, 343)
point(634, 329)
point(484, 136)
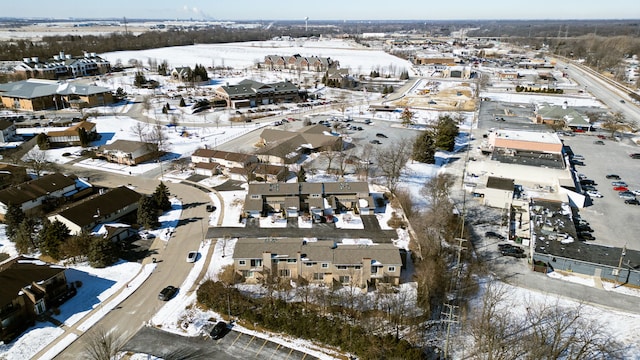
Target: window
point(318, 276)
point(391, 269)
point(291, 261)
point(315, 195)
point(325, 265)
point(255, 197)
point(247, 274)
point(342, 267)
point(357, 267)
point(344, 279)
point(242, 262)
point(256, 262)
point(309, 264)
point(284, 273)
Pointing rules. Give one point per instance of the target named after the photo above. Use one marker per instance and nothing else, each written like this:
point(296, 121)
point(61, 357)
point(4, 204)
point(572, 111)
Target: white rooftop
point(541, 137)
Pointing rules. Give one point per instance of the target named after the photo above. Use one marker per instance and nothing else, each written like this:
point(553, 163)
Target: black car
point(219, 330)
point(632, 202)
point(613, 176)
point(584, 228)
point(211, 208)
point(493, 234)
point(381, 135)
point(510, 248)
point(515, 254)
point(586, 236)
point(376, 142)
point(167, 293)
point(587, 182)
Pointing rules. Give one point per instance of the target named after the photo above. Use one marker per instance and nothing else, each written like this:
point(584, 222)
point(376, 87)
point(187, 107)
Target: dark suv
point(381, 135)
point(167, 293)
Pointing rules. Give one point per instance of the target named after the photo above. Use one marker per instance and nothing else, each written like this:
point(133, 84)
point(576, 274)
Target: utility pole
point(125, 26)
point(624, 252)
point(450, 319)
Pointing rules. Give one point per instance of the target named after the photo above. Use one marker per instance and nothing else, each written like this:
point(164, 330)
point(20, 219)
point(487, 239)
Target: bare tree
point(617, 122)
point(38, 161)
point(158, 139)
point(102, 345)
point(392, 160)
point(139, 129)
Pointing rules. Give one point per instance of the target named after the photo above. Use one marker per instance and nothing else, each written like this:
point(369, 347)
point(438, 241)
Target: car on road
point(376, 142)
point(219, 330)
point(192, 256)
point(598, 142)
point(613, 176)
point(632, 202)
point(620, 188)
point(601, 137)
point(381, 135)
point(619, 183)
point(594, 194)
point(495, 235)
point(167, 293)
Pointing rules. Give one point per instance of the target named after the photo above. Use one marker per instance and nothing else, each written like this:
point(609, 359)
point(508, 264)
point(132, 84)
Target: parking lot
point(614, 222)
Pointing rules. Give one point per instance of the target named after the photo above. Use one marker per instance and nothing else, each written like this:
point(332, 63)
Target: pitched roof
point(224, 155)
point(127, 146)
point(340, 254)
point(4, 124)
point(21, 271)
point(73, 130)
point(99, 206)
point(35, 88)
point(35, 189)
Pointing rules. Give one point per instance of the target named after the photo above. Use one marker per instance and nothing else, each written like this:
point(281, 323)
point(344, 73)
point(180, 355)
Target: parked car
point(601, 137)
point(219, 330)
point(613, 176)
point(144, 234)
point(598, 142)
point(211, 208)
point(635, 192)
point(635, 155)
point(578, 157)
point(586, 236)
point(633, 201)
point(587, 182)
point(376, 142)
point(512, 253)
point(167, 293)
point(510, 247)
point(594, 194)
point(495, 235)
point(589, 188)
point(381, 135)
point(627, 195)
point(619, 183)
point(584, 228)
point(192, 256)
point(620, 188)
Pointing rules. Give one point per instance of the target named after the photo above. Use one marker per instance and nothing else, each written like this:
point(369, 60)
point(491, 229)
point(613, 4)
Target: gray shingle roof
point(35, 88)
point(34, 189)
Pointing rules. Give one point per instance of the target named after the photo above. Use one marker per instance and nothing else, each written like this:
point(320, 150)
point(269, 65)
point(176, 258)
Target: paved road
point(172, 269)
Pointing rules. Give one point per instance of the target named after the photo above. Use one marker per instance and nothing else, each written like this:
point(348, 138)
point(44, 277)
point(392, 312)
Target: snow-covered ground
point(103, 289)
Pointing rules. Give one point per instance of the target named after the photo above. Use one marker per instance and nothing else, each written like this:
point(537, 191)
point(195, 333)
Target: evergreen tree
point(302, 175)
point(43, 141)
point(83, 137)
point(51, 236)
point(161, 197)
point(76, 247)
point(446, 132)
point(404, 75)
point(182, 103)
point(147, 212)
point(139, 80)
point(164, 109)
point(102, 252)
point(407, 117)
point(13, 218)
point(424, 149)
point(24, 237)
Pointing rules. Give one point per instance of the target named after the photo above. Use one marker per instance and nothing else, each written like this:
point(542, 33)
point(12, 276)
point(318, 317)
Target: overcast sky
point(325, 9)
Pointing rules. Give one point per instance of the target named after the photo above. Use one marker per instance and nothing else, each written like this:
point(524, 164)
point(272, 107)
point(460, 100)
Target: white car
point(636, 192)
point(594, 194)
point(192, 256)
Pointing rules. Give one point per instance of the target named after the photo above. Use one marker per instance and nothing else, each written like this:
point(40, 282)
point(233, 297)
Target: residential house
point(128, 152)
point(315, 198)
point(30, 196)
point(298, 62)
point(29, 288)
point(107, 206)
point(181, 73)
point(250, 93)
point(115, 232)
point(7, 131)
point(71, 135)
point(40, 94)
point(320, 262)
point(224, 158)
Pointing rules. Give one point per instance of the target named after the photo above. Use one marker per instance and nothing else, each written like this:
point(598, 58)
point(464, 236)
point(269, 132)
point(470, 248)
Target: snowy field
point(359, 59)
